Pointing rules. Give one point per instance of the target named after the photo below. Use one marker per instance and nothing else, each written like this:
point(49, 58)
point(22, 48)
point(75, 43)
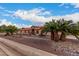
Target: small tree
point(10, 29)
point(2, 28)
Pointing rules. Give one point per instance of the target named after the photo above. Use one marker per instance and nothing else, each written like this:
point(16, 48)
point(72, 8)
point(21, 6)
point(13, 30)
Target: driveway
point(11, 48)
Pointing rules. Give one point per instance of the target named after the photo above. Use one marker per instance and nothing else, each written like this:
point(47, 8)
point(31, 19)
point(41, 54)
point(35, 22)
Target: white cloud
point(76, 5)
point(74, 17)
point(5, 22)
point(9, 11)
point(2, 7)
point(45, 13)
point(62, 4)
point(6, 14)
point(66, 6)
point(22, 25)
point(33, 15)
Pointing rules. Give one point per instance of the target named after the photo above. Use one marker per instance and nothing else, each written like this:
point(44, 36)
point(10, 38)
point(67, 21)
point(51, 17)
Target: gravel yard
point(69, 47)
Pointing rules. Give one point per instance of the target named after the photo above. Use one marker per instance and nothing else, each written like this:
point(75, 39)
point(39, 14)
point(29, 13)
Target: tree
point(10, 29)
point(52, 27)
point(74, 30)
point(62, 26)
point(2, 28)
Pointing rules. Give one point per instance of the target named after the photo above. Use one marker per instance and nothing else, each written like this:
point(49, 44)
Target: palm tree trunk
point(7, 34)
point(56, 36)
point(11, 33)
point(52, 35)
point(62, 37)
point(76, 37)
point(41, 33)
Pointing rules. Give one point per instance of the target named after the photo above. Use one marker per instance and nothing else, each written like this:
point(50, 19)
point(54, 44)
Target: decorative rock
point(77, 52)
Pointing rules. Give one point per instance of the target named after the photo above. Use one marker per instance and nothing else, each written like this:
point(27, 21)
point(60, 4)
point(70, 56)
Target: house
point(33, 30)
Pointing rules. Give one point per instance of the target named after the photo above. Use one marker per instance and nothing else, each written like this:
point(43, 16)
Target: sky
point(36, 14)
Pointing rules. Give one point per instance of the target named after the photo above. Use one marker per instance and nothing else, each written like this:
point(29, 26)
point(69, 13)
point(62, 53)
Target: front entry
point(33, 31)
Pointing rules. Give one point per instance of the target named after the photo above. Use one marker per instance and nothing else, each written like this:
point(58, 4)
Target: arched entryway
point(33, 31)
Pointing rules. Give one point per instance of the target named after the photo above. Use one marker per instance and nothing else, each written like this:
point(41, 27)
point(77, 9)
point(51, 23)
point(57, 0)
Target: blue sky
point(28, 14)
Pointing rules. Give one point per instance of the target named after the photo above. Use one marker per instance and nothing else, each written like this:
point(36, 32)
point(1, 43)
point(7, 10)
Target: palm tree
point(64, 27)
point(52, 27)
point(43, 32)
point(74, 30)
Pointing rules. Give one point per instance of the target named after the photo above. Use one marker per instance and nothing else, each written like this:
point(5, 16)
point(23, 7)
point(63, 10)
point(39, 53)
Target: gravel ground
point(2, 53)
point(68, 48)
